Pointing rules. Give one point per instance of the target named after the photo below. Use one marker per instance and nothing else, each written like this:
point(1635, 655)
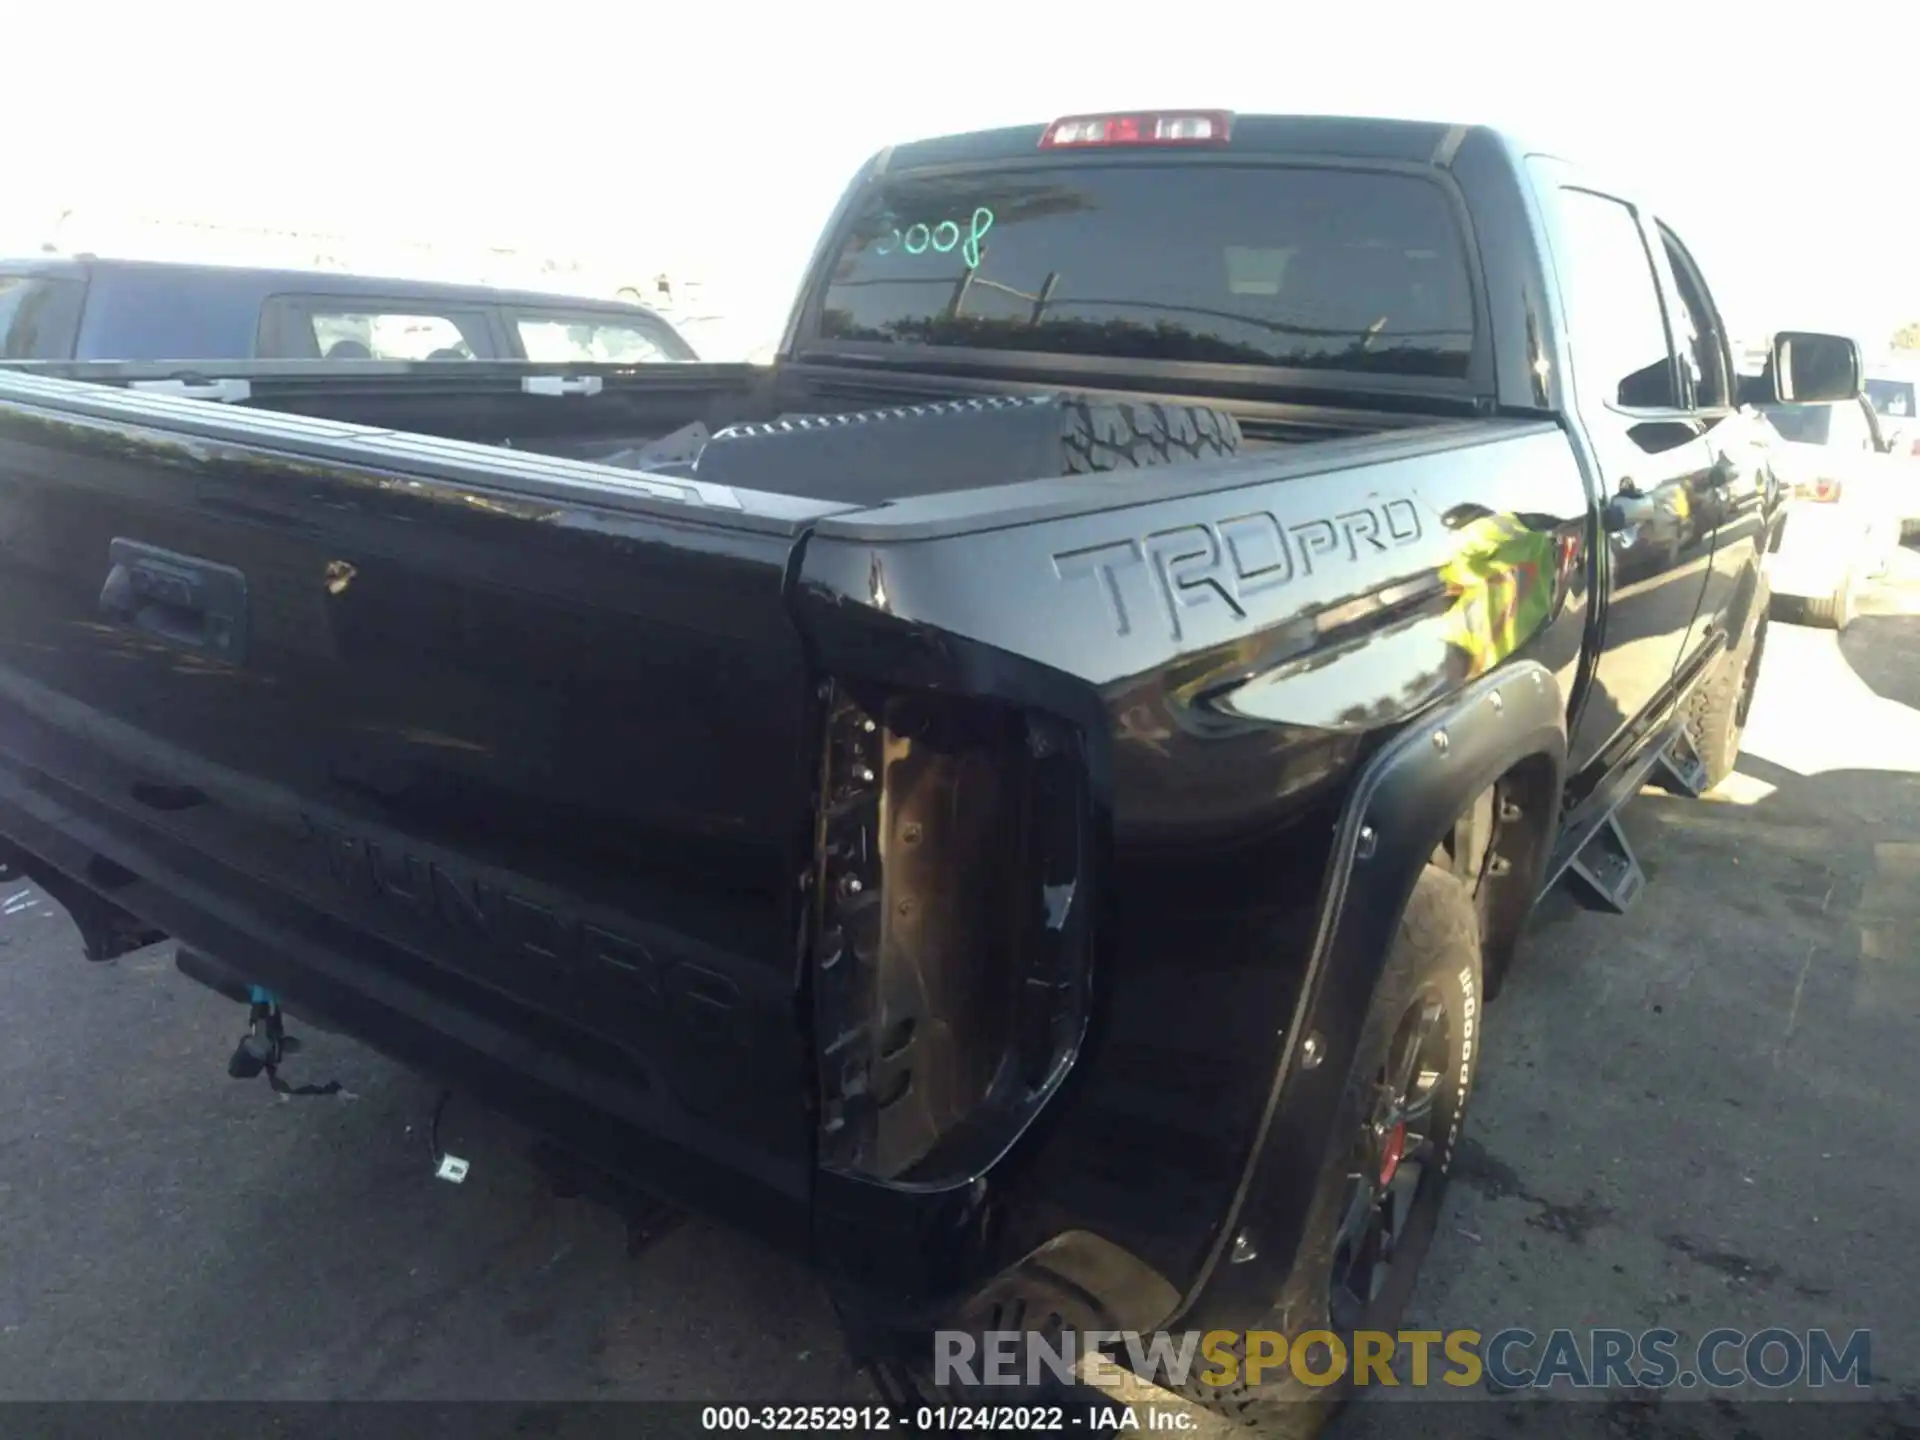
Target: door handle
point(193, 603)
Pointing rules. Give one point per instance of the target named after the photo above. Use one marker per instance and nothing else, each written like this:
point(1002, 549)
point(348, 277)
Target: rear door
point(525, 758)
point(1653, 454)
point(1729, 499)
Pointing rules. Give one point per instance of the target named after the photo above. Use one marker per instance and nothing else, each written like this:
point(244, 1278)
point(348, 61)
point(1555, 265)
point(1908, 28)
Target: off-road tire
point(1437, 946)
point(1716, 716)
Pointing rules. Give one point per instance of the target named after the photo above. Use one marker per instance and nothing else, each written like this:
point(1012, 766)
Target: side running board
point(1680, 769)
point(1606, 873)
point(1595, 855)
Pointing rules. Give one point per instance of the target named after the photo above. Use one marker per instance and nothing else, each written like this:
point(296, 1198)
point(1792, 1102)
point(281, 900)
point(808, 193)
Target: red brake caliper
point(1391, 1152)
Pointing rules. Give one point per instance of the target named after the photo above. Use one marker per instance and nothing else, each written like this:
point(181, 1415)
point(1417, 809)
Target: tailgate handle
point(186, 601)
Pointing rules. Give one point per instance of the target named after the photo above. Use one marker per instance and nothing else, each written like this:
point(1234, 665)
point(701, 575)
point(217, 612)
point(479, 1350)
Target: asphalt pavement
point(1692, 1116)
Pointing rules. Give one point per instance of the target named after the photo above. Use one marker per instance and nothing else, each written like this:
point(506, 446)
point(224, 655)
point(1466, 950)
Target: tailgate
point(517, 776)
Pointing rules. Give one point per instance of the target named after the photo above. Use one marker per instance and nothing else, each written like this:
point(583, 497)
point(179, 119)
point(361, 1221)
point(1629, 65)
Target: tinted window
point(333, 329)
point(1892, 398)
point(39, 318)
point(593, 338)
point(388, 336)
point(1615, 326)
point(1313, 268)
point(1699, 345)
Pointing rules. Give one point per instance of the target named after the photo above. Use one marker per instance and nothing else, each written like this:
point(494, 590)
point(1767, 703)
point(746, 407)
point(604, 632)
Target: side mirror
point(1809, 368)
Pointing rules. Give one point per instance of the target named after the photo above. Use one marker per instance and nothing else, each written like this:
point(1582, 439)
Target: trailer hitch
point(266, 1044)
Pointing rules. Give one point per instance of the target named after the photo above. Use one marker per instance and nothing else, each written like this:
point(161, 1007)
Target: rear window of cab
point(1308, 268)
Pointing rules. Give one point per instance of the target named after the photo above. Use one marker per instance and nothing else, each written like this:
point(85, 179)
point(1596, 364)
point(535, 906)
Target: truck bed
point(602, 414)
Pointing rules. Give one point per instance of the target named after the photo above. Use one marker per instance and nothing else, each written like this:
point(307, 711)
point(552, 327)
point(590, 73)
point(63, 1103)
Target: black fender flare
point(1402, 805)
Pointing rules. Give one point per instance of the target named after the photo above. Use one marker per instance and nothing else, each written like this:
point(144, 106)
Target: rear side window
point(596, 338)
point(1615, 323)
point(295, 329)
point(39, 317)
point(1307, 268)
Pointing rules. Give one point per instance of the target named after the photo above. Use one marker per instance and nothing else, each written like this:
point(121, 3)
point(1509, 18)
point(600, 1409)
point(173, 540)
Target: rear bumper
point(348, 983)
point(1035, 1226)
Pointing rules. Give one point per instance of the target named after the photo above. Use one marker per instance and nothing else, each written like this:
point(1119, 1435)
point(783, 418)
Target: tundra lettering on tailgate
point(689, 1000)
point(1229, 562)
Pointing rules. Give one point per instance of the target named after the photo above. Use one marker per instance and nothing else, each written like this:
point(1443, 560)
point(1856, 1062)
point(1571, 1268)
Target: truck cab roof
point(267, 280)
point(87, 307)
point(1360, 138)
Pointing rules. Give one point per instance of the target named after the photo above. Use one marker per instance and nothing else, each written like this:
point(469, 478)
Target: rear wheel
point(1382, 1183)
point(1717, 711)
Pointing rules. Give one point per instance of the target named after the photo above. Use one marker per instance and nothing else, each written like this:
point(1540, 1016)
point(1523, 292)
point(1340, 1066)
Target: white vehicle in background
point(1842, 519)
point(1893, 389)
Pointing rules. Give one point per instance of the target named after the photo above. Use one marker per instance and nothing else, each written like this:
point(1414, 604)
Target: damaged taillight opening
point(950, 949)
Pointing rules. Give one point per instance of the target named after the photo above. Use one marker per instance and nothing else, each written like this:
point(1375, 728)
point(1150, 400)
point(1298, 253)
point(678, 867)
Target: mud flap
point(106, 931)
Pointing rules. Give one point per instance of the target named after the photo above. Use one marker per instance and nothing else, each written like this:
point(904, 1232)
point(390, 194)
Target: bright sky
point(1780, 148)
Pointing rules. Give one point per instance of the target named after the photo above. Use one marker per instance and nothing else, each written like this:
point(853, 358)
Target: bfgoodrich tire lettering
point(1435, 960)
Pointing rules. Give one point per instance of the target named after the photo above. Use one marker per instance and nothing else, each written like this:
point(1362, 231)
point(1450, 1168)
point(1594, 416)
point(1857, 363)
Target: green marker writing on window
point(941, 238)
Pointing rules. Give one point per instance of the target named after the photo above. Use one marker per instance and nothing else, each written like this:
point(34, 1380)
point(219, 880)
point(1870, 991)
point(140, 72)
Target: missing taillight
point(951, 941)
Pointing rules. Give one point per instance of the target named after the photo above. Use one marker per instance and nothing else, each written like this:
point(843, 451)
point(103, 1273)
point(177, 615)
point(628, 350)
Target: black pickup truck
point(1022, 800)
